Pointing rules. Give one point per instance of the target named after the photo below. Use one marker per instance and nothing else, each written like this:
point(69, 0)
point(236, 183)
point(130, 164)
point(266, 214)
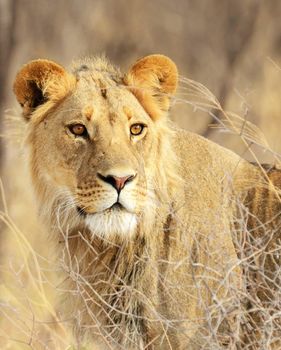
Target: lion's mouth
point(116, 207)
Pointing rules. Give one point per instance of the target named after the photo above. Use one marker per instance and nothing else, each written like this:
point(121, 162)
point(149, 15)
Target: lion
point(144, 211)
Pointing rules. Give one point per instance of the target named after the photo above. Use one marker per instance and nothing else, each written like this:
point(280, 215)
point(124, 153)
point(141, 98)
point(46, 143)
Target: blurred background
point(233, 47)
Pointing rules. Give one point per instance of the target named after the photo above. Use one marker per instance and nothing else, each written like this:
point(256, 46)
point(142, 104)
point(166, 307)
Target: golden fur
point(161, 271)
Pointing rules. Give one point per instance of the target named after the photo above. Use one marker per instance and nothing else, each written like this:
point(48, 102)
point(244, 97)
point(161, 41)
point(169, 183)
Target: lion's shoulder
point(205, 156)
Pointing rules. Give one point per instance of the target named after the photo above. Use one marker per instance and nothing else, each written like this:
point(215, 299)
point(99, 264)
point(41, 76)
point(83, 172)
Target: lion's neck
point(117, 282)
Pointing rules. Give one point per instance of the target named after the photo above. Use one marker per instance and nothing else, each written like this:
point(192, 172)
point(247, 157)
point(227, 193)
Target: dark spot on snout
point(81, 211)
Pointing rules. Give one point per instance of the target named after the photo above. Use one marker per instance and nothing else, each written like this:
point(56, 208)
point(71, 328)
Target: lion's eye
point(136, 129)
point(78, 129)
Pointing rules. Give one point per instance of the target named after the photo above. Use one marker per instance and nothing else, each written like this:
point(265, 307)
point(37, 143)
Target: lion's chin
point(111, 224)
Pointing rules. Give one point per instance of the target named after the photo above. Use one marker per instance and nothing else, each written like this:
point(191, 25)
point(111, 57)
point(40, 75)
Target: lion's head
point(99, 141)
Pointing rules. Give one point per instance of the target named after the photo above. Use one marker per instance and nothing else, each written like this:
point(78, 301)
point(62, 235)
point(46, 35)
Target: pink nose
point(120, 182)
point(117, 182)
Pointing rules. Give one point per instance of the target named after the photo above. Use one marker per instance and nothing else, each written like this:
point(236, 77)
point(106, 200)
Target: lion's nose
point(117, 182)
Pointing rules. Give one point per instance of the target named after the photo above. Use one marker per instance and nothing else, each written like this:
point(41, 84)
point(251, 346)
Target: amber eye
point(78, 129)
point(136, 129)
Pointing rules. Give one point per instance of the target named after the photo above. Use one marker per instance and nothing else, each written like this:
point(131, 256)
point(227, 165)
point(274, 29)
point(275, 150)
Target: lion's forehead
point(97, 97)
point(97, 75)
point(95, 64)
point(98, 81)
point(98, 91)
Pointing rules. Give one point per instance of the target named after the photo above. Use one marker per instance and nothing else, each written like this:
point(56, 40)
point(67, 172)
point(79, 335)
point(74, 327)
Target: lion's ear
point(153, 80)
point(40, 81)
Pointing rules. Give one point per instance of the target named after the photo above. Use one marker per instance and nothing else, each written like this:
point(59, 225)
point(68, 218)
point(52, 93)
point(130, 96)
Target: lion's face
point(94, 150)
point(99, 149)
